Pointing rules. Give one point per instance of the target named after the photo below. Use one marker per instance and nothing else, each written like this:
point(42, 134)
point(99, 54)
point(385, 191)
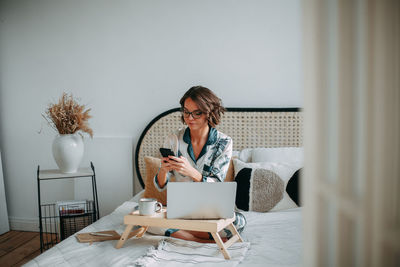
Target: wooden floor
point(17, 248)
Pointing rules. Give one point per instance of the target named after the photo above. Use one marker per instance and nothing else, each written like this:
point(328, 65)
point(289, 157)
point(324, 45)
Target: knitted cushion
point(262, 186)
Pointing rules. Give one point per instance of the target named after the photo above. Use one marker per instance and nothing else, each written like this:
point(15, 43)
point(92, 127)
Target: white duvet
point(275, 240)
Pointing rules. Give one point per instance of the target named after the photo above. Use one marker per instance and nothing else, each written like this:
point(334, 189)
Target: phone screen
point(165, 152)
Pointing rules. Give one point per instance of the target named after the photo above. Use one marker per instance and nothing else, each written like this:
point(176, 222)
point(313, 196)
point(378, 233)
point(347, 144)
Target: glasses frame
point(186, 113)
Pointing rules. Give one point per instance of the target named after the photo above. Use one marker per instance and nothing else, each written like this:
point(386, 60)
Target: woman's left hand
point(183, 166)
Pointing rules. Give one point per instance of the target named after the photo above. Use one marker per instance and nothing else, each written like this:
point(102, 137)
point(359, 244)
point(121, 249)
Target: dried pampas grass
point(68, 117)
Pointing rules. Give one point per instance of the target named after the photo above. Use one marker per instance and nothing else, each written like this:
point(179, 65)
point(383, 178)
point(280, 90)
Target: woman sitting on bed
point(203, 153)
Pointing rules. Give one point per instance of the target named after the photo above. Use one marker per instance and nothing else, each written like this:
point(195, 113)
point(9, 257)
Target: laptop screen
point(191, 200)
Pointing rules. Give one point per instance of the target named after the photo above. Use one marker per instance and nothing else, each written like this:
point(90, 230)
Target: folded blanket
point(177, 252)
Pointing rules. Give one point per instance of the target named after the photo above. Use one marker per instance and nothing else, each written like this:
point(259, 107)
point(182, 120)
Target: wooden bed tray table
point(160, 220)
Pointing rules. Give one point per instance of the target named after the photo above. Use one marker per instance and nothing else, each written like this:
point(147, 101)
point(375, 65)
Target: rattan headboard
point(248, 127)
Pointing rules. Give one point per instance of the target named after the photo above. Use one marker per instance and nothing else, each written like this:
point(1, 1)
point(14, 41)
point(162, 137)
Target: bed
point(274, 226)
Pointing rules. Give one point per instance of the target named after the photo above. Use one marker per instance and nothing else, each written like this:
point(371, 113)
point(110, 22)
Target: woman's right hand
point(164, 169)
point(165, 165)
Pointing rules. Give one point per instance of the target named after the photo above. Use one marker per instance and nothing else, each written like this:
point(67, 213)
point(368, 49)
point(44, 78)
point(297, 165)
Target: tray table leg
point(128, 234)
point(224, 246)
point(221, 245)
point(138, 232)
point(124, 236)
point(232, 228)
point(141, 232)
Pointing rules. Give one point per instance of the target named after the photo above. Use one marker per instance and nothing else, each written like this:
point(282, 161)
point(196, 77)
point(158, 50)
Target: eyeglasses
point(195, 113)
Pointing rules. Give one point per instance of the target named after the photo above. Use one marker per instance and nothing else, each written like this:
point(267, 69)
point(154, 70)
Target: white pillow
point(262, 187)
point(245, 155)
point(290, 155)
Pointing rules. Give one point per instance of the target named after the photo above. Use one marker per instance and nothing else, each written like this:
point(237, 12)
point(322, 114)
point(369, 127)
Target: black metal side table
point(59, 220)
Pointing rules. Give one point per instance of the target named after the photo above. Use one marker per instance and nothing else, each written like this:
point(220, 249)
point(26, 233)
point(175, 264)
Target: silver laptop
point(187, 200)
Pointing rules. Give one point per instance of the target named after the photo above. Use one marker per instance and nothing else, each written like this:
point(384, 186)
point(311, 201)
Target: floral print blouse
point(213, 160)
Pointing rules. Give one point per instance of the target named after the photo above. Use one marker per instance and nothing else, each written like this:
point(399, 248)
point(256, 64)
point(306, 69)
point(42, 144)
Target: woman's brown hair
point(208, 103)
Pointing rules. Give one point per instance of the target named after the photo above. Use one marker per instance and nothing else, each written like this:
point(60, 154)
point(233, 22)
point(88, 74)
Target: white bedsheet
point(275, 239)
point(173, 252)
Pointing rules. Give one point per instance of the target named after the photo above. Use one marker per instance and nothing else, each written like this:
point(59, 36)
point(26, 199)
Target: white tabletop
point(57, 174)
point(160, 220)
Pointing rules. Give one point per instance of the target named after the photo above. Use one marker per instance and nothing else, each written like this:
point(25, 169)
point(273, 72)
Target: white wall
point(4, 224)
point(130, 61)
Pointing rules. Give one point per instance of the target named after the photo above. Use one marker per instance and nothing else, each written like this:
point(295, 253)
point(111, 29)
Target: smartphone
point(165, 152)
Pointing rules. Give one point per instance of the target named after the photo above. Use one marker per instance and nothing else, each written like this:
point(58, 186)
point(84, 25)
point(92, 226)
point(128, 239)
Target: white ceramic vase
point(68, 152)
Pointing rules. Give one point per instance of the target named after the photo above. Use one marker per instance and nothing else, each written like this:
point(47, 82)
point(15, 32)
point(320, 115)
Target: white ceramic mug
point(149, 206)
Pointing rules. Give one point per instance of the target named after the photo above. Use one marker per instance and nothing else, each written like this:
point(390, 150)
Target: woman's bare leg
point(201, 237)
point(187, 235)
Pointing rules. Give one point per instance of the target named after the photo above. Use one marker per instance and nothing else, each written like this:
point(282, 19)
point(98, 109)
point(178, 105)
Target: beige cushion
point(230, 173)
point(152, 166)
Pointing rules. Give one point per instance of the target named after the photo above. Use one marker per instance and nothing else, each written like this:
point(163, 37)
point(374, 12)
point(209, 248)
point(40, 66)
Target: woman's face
point(193, 116)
